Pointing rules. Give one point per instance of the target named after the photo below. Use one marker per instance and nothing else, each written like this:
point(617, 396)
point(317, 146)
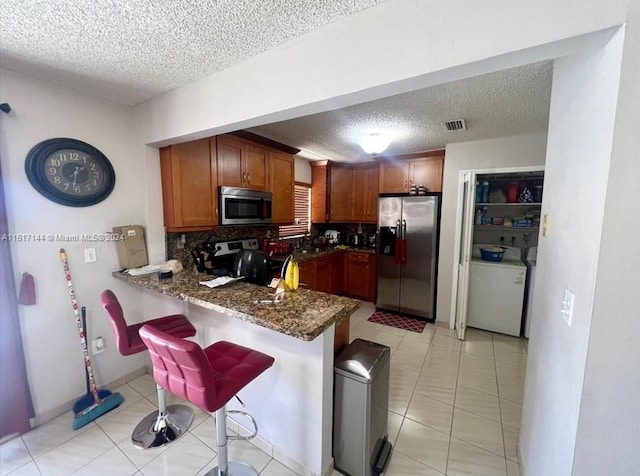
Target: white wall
point(302, 170)
point(526, 150)
point(52, 346)
point(609, 424)
point(583, 106)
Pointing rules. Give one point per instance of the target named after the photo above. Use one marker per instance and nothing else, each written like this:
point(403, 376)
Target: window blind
point(302, 202)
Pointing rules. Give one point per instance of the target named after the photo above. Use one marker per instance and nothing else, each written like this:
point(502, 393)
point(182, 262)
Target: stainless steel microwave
point(240, 206)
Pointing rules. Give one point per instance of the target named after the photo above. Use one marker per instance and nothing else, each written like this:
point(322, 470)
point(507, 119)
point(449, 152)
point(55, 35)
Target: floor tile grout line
point(453, 414)
point(504, 443)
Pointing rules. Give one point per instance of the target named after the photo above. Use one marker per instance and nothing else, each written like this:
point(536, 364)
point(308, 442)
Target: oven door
point(244, 207)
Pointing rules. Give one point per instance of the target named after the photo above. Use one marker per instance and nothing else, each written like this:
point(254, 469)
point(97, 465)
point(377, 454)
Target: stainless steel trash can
point(361, 406)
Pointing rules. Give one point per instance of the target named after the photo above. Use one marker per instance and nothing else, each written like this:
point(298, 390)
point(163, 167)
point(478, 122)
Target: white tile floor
point(454, 409)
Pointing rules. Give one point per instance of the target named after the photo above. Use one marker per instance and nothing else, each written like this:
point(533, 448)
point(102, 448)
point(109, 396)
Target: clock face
point(70, 172)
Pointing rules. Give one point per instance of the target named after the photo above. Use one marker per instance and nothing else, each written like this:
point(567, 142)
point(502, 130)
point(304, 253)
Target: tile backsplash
point(195, 239)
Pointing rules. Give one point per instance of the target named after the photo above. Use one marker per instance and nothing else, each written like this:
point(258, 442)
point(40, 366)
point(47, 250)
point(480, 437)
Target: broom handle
point(83, 339)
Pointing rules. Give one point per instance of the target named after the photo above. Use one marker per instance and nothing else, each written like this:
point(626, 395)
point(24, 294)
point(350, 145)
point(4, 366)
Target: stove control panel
point(233, 247)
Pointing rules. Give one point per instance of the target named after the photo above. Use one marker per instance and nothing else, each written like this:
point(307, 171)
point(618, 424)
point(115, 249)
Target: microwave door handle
point(263, 209)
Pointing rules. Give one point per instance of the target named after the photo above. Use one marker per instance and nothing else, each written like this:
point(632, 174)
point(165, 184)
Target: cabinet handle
point(248, 178)
point(244, 177)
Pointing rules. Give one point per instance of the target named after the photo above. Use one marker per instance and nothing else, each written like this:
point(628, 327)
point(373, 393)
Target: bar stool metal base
point(156, 430)
point(234, 468)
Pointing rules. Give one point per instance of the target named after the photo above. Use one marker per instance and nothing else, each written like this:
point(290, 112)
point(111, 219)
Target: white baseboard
point(66, 407)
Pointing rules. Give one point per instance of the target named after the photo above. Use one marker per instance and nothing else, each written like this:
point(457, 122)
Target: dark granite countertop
point(303, 314)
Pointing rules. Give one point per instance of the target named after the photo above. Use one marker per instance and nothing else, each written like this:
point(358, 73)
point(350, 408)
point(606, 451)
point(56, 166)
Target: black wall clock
point(70, 172)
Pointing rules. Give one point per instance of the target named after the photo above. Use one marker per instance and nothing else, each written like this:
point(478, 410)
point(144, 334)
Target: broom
point(99, 406)
point(87, 399)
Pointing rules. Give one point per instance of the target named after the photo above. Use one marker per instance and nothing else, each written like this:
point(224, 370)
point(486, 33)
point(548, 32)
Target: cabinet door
point(189, 185)
point(324, 272)
point(319, 194)
point(394, 177)
point(231, 156)
point(360, 194)
point(427, 172)
point(340, 194)
point(358, 275)
point(255, 170)
point(281, 174)
point(371, 207)
point(307, 274)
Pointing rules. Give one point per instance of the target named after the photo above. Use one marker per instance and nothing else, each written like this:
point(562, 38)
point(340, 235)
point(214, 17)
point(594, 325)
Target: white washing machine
point(496, 292)
point(530, 262)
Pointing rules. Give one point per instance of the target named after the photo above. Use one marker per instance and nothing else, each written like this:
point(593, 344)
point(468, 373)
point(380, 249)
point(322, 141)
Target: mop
point(99, 406)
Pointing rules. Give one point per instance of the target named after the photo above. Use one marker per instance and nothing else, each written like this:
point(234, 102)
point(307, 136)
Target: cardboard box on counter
point(132, 251)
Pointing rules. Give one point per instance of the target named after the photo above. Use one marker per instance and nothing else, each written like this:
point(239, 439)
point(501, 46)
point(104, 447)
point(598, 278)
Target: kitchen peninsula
point(293, 401)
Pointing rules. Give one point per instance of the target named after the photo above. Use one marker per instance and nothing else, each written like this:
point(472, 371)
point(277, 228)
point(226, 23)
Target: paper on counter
point(148, 269)
point(221, 281)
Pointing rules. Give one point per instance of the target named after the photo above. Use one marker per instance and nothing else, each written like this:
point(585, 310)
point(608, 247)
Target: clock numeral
point(96, 174)
point(76, 189)
point(55, 162)
point(63, 157)
point(75, 156)
point(56, 179)
point(52, 170)
point(87, 188)
point(66, 186)
point(92, 166)
point(84, 159)
point(95, 183)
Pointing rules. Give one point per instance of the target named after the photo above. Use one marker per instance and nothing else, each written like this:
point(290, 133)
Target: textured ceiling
point(506, 103)
point(131, 50)
point(128, 51)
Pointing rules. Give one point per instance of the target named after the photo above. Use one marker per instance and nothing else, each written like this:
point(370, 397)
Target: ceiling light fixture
point(375, 142)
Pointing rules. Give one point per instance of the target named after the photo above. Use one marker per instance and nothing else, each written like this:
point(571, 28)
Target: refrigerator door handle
point(403, 243)
point(397, 252)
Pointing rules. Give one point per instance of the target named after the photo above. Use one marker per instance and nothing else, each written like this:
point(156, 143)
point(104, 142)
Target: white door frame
point(458, 230)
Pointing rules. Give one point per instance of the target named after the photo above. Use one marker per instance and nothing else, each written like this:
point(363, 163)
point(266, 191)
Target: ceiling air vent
point(457, 125)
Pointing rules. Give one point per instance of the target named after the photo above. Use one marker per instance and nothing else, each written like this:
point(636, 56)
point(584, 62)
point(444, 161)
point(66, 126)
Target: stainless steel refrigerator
point(407, 254)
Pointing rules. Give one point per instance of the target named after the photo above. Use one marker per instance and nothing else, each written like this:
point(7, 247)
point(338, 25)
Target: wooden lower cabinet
point(341, 338)
point(360, 275)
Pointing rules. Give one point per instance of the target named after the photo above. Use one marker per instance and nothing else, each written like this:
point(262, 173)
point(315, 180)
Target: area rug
point(398, 321)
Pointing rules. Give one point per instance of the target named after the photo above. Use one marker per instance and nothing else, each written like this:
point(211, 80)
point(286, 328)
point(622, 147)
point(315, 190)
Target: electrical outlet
point(566, 309)
point(98, 346)
point(90, 255)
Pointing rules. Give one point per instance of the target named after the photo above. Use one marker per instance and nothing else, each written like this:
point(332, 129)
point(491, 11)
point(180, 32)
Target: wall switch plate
point(90, 255)
point(566, 309)
point(545, 224)
point(98, 345)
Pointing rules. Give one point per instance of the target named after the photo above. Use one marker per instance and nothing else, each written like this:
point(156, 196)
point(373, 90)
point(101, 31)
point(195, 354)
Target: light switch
point(90, 255)
point(566, 309)
point(545, 224)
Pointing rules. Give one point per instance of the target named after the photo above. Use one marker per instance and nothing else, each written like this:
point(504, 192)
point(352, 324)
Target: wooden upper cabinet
point(189, 185)
point(341, 193)
point(398, 173)
point(394, 176)
point(242, 164)
point(365, 194)
point(256, 168)
point(319, 179)
point(428, 172)
point(281, 173)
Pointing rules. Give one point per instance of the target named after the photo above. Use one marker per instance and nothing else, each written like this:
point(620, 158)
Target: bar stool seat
point(170, 422)
point(208, 378)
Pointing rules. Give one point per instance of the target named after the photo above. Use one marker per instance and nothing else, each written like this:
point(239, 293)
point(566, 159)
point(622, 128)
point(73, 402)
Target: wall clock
point(70, 172)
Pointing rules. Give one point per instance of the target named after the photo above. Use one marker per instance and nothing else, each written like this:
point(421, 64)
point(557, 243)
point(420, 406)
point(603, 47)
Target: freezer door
point(389, 212)
point(417, 276)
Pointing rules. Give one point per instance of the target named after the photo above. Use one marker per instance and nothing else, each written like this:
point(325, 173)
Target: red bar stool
point(170, 422)
point(208, 378)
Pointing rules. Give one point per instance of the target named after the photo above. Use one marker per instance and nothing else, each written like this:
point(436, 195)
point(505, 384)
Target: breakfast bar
point(293, 401)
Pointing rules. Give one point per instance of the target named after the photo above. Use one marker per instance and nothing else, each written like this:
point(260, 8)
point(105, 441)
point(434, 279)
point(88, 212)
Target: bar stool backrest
point(118, 323)
point(182, 367)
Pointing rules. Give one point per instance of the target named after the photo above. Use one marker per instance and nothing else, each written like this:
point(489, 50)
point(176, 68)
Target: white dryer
point(496, 292)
